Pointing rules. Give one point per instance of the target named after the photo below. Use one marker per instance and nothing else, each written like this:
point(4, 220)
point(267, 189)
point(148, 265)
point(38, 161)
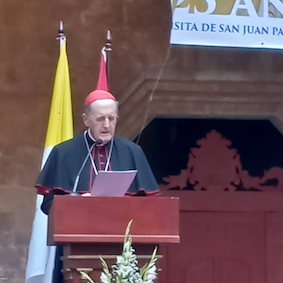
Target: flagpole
point(61, 36)
point(108, 49)
point(40, 269)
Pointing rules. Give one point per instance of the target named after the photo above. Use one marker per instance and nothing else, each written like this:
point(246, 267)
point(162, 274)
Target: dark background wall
point(258, 143)
point(28, 57)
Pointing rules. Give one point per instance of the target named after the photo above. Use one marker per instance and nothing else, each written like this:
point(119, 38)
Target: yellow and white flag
point(60, 128)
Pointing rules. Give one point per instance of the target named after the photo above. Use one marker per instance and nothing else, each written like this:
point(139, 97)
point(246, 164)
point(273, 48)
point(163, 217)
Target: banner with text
point(236, 23)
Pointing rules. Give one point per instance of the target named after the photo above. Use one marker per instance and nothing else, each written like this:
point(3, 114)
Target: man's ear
point(85, 119)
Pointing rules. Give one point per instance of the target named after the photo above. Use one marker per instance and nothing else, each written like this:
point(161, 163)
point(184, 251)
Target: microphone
point(99, 142)
point(74, 190)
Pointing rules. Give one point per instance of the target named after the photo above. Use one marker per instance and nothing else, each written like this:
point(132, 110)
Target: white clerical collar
point(90, 135)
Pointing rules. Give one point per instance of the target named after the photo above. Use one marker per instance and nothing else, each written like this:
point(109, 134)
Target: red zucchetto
point(97, 95)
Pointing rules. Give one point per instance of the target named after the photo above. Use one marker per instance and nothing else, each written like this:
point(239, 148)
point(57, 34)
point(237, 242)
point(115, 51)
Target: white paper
point(112, 183)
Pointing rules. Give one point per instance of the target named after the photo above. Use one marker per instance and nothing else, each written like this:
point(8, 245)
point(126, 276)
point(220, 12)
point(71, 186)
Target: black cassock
point(66, 159)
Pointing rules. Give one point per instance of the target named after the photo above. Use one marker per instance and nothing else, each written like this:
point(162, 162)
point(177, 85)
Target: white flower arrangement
point(126, 269)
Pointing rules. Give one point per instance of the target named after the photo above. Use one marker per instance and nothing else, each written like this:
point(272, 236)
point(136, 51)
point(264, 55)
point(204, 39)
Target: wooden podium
point(91, 226)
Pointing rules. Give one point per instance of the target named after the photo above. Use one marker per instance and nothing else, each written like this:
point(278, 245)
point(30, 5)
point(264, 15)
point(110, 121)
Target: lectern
point(89, 227)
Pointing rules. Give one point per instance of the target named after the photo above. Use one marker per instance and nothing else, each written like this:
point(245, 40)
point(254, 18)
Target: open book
point(112, 183)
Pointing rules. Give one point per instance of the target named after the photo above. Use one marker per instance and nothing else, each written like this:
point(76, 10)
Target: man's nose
point(106, 123)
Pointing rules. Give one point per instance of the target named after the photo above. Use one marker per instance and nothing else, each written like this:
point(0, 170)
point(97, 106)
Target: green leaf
point(86, 276)
point(146, 268)
point(105, 269)
point(128, 231)
point(153, 256)
point(143, 270)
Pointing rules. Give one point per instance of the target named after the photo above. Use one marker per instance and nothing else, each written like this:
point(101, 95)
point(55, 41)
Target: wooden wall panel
point(219, 247)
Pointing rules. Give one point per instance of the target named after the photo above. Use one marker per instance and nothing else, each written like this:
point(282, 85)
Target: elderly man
point(96, 149)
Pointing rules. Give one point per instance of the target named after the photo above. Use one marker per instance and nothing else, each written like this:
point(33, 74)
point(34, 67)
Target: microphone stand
point(74, 191)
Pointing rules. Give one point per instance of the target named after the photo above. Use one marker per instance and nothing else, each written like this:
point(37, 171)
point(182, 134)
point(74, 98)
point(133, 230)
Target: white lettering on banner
point(247, 5)
point(211, 5)
point(277, 5)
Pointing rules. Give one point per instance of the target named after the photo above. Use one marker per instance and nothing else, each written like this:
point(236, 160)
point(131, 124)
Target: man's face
point(102, 119)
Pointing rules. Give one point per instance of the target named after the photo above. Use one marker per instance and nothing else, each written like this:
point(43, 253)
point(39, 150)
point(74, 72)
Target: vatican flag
point(60, 128)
